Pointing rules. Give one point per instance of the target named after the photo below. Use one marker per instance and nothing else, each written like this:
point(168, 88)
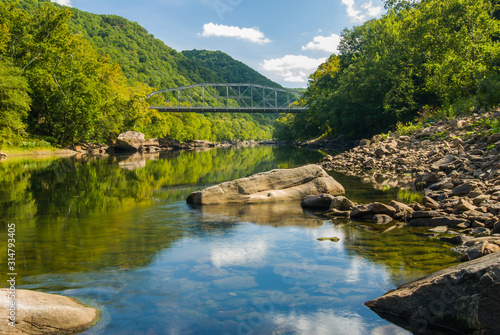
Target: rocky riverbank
point(132, 142)
point(456, 166)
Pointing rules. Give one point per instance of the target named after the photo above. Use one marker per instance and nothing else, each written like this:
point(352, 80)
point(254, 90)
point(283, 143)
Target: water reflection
point(116, 233)
point(76, 214)
point(278, 214)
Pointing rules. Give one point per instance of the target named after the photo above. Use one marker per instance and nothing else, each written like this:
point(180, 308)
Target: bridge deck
point(228, 110)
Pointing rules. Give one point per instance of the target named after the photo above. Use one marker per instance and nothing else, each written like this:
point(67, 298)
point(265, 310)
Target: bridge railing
point(215, 97)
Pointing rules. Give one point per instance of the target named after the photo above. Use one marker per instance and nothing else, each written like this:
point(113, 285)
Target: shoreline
point(456, 170)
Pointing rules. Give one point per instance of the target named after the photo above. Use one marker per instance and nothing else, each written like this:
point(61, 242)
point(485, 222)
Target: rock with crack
point(274, 185)
point(464, 299)
point(42, 313)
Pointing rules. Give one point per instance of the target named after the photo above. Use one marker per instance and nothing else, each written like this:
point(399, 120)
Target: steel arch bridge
point(226, 98)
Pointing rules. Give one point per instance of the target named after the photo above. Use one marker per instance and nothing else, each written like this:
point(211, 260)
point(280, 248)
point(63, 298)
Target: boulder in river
point(320, 201)
point(274, 185)
point(42, 313)
point(130, 141)
point(463, 299)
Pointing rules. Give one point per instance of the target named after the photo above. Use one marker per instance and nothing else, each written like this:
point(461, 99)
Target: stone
point(446, 160)
point(2, 155)
point(463, 299)
point(382, 151)
point(456, 124)
point(463, 190)
point(320, 201)
point(328, 158)
point(439, 229)
point(457, 240)
point(152, 142)
point(202, 144)
point(481, 231)
point(463, 206)
point(438, 221)
point(372, 209)
point(496, 228)
point(271, 186)
point(430, 203)
point(401, 208)
point(341, 203)
point(169, 142)
point(42, 313)
point(130, 141)
point(457, 142)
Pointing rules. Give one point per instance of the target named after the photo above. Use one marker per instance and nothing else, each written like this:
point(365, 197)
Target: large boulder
point(463, 299)
point(275, 185)
point(130, 141)
point(42, 313)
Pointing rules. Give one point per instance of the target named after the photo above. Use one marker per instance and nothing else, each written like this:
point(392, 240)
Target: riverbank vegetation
point(68, 76)
point(427, 59)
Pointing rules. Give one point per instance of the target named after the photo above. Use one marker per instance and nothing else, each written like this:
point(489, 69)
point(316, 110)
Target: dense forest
point(430, 57)
point(229, 69)
point(69, 76)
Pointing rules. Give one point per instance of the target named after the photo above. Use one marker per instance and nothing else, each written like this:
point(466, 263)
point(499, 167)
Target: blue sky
point(285, 40)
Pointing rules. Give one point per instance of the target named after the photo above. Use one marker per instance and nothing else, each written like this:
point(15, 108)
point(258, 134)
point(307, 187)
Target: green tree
point(14, 102)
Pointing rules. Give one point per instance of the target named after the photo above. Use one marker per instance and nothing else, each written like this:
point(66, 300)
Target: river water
point(117, 234)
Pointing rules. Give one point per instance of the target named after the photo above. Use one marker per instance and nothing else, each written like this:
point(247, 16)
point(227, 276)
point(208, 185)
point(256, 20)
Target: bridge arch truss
point(227, 98)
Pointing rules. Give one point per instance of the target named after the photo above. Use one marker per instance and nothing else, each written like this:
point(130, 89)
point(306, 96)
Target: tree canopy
point(420, 55)
point(70, 76)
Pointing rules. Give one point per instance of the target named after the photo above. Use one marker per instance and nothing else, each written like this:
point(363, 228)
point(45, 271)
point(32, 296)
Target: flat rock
point(271, 186)
point(372, 209)
point(42, 313)
point(463, 299)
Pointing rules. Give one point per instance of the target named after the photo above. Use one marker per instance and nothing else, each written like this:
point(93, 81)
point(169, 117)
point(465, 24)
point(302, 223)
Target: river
point(117, 234)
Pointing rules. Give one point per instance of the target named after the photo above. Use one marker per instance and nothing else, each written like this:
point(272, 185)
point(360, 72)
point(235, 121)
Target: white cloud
point(324, 43)
point(232, 254)
point(323, 323)
point(63, 2)
point(292, 68)
point(361, 13)
point(253, 35)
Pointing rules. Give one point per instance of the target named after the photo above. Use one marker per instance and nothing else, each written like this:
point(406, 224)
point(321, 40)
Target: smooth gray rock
point(42, 313)
point(271, 186)
point(464, 298)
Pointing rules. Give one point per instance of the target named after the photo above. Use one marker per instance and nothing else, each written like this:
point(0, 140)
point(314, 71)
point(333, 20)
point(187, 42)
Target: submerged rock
point(275, 185)
point(463, 299)
point(42, 313)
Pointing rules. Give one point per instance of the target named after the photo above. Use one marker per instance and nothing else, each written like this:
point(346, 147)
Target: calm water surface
point(117, 234)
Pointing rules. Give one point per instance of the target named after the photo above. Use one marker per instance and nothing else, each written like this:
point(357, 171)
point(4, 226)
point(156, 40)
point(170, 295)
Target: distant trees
point(427, 53)
point(55, 84)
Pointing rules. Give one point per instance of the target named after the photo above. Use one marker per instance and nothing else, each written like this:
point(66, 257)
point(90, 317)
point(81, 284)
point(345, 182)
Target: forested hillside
point(69, 76)
point(423, 58)
point(141, 56)
point(229, 69)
